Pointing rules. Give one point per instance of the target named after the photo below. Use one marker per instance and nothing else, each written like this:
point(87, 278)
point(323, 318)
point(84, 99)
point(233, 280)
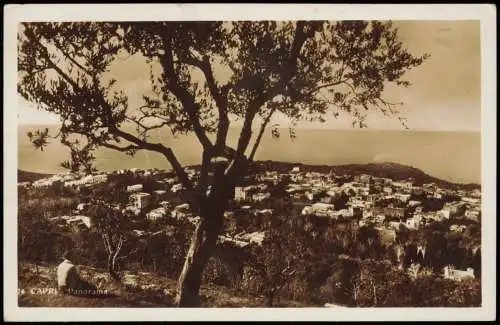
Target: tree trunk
point(204, 239)
point(203, 243)
point(270, 299)
point(111, 268)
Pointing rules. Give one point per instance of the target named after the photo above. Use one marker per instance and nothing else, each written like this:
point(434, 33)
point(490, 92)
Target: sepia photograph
point(281, 164)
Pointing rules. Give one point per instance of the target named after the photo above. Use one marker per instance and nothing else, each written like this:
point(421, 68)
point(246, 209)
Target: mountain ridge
point(392, 170)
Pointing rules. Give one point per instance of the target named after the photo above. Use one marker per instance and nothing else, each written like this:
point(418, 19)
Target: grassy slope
point(160, 294)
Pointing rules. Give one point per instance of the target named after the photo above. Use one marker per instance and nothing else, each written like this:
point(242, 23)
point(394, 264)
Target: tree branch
point(286, 74)
point(158, 147)
point(261, 133)
point(184, 96)
point(118, 148)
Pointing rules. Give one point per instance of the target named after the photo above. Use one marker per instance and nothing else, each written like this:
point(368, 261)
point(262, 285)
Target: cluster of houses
point(314, 192)
point(68, 179)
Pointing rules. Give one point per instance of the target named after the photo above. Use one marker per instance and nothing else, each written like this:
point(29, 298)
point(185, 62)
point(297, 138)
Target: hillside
point(386, 170)
point(24, 176)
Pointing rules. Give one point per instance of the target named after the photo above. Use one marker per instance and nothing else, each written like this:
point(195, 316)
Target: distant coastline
point(390, 170)
point(453, 156)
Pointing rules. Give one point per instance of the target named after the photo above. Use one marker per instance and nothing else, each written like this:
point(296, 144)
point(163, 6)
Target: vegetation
point(305, 259)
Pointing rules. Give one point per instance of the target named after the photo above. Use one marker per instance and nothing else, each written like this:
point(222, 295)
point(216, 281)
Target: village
point(383, 204)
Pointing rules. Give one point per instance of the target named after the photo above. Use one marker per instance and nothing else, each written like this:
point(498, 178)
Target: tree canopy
point(304, 70)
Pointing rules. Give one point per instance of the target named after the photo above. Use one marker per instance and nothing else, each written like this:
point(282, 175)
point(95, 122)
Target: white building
point(414, 203)
point(240, 193)
point(402, 197)
point(443, 214)
point(181, 211)
point(156, 214)
point(472, 215)
point(458, 275)
point(261, 196)
point(134, 188)
point(319, 209)
point(457, 228)
point(177, 187)
point(159, 194)
point(471, 200)
point(254, 237)
point(414, 222)
point(140, 200)
point(82, 206)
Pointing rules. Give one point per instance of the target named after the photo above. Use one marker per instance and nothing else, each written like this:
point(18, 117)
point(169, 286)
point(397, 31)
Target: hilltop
point(390, 170)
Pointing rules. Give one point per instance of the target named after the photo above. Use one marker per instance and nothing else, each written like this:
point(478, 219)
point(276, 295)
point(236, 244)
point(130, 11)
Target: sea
point(451, 156)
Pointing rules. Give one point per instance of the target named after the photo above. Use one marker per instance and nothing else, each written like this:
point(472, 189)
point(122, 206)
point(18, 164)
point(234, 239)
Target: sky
point(445, 94)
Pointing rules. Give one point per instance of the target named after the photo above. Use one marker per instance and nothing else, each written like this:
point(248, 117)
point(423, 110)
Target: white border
point(14, 14)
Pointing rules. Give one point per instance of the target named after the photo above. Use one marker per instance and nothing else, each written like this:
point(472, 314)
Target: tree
point(111, 225)
point(303, 70)
point(276, 262)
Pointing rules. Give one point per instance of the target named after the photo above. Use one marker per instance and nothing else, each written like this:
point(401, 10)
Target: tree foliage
point(202, 75)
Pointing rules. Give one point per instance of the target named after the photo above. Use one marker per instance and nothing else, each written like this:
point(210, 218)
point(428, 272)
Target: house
point(159, 194)
point(177, 187)
point(394, 225)
point(138, 233)
point(455, 207)
point(254, 237)
point(140, 200)
point(458, 228)
point(82, 206)
point(403, 184)
point(236, 242)
point(156, 214)
point(97, 179)
point(134, 188)
point(228, 214)
point(402, 197)
point(181, 211)
point(261, 196)
point(240, 193)
point(443, 214)
point(472, 215)
point(471, 200)
point(263, 212)
point(379, 218)
point(319, 209)
point(363, 178)
point(414, 222)
point(164, 204)
point(131, 208)
point(78, 221)
point(476, 193)
point(438, 195)
point(387, 190)
point(390, 211)
point(414, 203)
point(458, 275)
